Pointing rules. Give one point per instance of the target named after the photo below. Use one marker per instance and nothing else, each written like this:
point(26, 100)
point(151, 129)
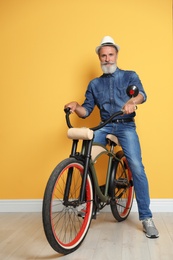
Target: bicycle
point(73, 187)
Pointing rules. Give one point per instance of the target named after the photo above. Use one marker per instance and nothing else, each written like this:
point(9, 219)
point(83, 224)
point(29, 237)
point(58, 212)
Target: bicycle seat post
point(111, 143)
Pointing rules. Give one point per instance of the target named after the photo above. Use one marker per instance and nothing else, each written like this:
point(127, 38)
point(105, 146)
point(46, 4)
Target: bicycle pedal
point(121, 183)
point(82, 213)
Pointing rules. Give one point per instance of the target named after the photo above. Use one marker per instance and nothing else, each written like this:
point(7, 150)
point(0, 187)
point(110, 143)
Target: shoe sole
point(152, 236)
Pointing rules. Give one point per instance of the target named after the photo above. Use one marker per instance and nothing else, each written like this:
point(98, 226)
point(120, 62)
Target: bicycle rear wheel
point(121, 189)
point(64, 229)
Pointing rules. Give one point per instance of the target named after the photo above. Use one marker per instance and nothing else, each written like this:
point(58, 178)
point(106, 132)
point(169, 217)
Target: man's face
point(108, 58)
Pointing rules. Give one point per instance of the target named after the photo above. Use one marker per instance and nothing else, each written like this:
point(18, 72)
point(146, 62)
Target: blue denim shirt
point(108, 93)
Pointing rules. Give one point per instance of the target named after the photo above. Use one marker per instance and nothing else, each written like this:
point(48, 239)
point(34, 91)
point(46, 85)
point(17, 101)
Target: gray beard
point(108, 69)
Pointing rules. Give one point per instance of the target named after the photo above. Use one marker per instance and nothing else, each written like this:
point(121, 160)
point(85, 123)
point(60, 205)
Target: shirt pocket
point(99, 98)
point(121, 90)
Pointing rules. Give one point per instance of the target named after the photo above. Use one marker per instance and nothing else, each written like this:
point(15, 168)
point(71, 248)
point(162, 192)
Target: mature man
point(108, 93)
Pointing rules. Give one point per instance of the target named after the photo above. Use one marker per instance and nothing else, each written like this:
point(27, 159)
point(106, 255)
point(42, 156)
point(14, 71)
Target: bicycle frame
point(86, 156)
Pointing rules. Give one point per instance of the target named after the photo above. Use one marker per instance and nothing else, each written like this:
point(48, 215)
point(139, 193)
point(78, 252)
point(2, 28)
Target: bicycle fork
point(84, 156)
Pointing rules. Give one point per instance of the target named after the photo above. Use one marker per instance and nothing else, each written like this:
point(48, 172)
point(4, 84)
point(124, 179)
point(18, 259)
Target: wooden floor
point(22, 237)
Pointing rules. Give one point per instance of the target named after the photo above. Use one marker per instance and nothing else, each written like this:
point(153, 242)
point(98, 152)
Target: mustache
point(106, 63)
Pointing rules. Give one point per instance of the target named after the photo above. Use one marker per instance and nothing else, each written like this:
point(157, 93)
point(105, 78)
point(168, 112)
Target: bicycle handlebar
point(132, 91)
point(67, 111)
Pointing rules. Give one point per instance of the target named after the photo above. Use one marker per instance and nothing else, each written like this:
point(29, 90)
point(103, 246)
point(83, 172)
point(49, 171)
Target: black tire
point(65, 230)
point(121, 188)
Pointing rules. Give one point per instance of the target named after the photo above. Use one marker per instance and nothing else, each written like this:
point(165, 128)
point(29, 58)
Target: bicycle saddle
point(113, 139)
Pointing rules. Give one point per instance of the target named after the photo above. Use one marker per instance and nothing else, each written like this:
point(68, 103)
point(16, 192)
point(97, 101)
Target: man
point(108, 93)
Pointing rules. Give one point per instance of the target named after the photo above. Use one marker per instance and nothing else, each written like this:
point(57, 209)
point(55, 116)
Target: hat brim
point(107, 44)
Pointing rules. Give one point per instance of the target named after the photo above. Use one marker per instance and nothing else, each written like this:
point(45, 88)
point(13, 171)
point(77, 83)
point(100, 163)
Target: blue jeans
point(128, 138)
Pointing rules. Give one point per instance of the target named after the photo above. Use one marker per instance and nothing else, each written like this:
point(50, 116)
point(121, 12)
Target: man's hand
point(75, 107)
point(131, 105)
point(72, 105)
point(129, 108)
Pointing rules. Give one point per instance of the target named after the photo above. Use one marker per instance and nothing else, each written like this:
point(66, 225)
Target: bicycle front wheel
point(121, 189)
point(64, 228)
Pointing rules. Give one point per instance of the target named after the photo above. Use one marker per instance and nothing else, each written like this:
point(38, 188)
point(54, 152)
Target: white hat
point(107, 41)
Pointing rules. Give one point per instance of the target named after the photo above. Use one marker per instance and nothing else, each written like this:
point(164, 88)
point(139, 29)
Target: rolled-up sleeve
point(135, 80)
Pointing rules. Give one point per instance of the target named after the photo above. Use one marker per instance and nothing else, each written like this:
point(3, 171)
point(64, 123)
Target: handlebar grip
point(67, 116)
point(67, 110)
point(123, 111)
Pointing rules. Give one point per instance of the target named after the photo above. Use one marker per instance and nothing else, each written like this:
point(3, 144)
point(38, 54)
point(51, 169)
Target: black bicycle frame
point(84, 157)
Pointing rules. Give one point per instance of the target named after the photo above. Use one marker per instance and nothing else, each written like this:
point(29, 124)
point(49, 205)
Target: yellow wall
point(47, 58)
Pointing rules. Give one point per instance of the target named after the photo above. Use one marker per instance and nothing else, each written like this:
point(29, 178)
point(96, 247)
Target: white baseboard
point(21, 205)
point(35, 205)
